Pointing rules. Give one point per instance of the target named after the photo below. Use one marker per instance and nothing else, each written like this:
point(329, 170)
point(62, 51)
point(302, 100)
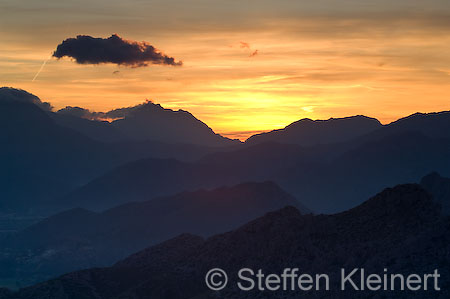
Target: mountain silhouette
point(97, 130)
point(45, 155)
point(146, 178)
point(309, 132)
point(357, 129)
point(401, 229)
point(434, 125)
point(344, 180)
point(328, 178)
point(80, 238)
point(142, 180)
point(147, 121)
point(153, 122)
point(36, 153)
point(49, 161)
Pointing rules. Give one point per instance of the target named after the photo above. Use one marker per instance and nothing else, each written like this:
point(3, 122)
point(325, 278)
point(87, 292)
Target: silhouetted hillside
point(79, 238)
point(400, 229)
point(44, 155)
point(39, 158)
point(309, 132)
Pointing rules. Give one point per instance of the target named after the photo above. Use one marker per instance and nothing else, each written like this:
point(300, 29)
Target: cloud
point(79, 112)
point(245, 45)
point(114, 49)
point(110, 115)
point(254, 53)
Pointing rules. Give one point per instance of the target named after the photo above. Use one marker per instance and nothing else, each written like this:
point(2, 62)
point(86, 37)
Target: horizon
point(240, 135)
point(239, 67)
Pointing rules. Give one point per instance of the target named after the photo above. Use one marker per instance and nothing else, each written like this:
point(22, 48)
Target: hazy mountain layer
point(328, 178)
point(401, 229)
point(79, 238)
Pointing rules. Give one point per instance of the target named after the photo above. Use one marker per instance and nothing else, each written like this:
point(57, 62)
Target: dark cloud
point(90, 50)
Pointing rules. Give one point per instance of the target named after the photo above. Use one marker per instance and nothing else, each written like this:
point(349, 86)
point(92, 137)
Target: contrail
point(40, 70)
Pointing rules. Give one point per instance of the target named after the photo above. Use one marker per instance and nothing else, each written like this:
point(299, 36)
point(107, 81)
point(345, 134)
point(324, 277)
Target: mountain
point(142, 180)
point(95, 129)
point(343, 181)
point(45, 155)
point(147, 121)
point(400, 229)
point(80, 238)
point(439, 187)
point(307, 132)
point(48, 163)
point(153, 122)
point(328, 178)
point(434, 125)
point(146, 178)
point(36, 153)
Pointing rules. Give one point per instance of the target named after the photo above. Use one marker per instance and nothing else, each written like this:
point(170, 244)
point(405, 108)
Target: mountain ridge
point(43, 159)
point(308, 132)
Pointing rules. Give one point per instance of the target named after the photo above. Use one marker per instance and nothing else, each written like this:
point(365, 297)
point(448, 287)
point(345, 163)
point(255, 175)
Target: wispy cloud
point(244, 45)
point(254, 53)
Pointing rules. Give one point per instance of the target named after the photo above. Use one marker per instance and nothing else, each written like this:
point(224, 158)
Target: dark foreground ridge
point(401, 228)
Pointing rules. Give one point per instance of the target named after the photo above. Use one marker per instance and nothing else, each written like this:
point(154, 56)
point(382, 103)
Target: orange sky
point(315, 60)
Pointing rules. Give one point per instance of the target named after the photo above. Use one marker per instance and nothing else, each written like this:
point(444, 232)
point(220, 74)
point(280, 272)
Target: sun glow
point(243, 75)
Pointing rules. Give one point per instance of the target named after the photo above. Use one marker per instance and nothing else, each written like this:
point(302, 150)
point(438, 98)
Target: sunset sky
point(248, 66)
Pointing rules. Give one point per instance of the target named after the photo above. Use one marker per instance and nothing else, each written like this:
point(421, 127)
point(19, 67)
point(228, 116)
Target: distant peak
point(422, 116)
point(307, 132)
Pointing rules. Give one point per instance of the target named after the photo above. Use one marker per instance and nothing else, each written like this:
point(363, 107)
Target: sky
point(248, 66)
